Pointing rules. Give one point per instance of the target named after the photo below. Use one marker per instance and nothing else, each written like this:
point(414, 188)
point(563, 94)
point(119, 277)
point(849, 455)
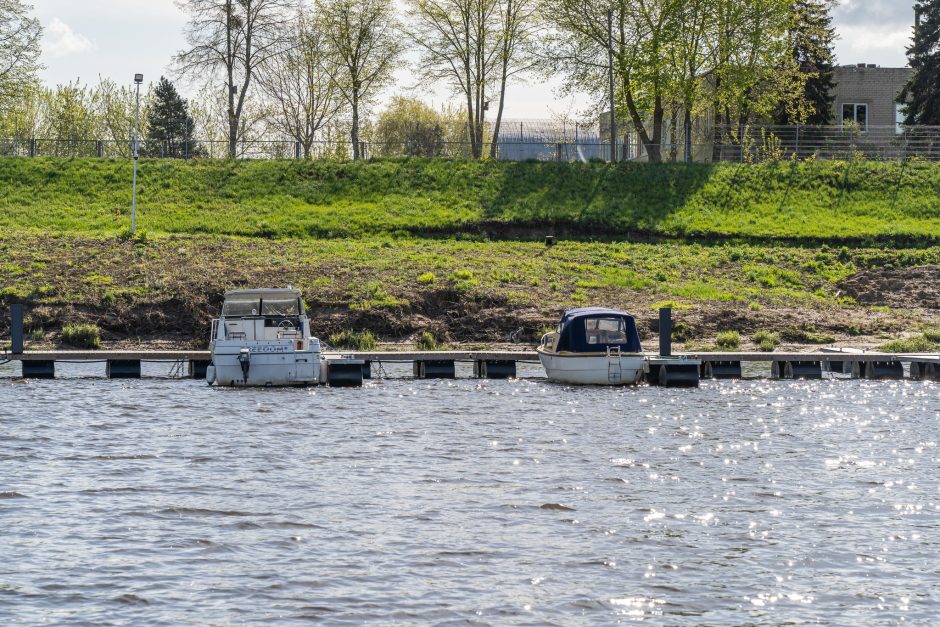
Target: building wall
point(877, 87)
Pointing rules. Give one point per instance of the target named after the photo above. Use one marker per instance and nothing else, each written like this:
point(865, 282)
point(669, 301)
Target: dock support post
point(38, 369)
point(665, 331)
point(494, 369)
point(197, 368)
point(123, 369)
point(16, 328)
point(434, 369)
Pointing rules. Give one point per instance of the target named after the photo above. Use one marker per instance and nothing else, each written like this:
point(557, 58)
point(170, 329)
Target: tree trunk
point(502, 80)
point(354, 132)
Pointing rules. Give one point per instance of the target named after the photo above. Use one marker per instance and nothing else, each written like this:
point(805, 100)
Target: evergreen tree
point(169, 124)
point(921, 94)
point(812, 36)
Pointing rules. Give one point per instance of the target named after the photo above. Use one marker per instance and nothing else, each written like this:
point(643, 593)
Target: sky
point(85, 39)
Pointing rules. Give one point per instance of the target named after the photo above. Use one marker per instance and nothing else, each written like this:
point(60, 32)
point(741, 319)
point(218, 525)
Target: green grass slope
point(836, 201)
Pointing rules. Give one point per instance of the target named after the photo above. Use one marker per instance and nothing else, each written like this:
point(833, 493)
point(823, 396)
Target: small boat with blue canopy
point(593, 346)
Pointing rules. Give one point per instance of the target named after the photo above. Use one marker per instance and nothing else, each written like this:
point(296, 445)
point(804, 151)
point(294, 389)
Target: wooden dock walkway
point(502, 364)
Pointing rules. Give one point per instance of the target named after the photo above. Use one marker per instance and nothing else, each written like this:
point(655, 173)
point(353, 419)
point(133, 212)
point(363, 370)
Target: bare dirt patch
point(900, 288)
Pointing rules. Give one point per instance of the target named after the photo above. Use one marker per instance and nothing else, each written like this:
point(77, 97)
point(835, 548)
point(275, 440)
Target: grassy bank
point(837, 202)
point(168, 288)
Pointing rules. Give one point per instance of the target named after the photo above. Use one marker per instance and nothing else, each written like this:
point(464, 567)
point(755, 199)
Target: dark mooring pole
point(16, 328)
point(610, 72)
point(665, 332)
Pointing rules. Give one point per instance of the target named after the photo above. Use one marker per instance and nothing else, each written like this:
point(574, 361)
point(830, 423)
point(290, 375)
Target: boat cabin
point(594, 330)
point(256, 315)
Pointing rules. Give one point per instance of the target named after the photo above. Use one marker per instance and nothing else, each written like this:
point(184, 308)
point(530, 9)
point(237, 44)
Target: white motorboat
point(593, 346)
point(263, 338)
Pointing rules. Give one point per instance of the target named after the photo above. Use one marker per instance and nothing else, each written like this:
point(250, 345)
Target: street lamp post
point(138, 79)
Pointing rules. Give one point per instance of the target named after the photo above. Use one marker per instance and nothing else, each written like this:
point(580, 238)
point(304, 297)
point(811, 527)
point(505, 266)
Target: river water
point(483, 502)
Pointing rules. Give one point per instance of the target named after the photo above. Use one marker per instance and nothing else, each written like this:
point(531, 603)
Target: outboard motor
point(244, 360)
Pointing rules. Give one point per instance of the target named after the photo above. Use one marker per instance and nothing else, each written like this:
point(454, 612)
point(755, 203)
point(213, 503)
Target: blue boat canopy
point(595, 329)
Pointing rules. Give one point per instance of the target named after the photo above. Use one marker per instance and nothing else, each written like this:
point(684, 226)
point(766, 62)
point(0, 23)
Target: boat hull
point(268, 365)
point(593, 368)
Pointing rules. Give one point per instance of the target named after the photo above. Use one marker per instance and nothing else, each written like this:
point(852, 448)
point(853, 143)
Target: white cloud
point(881, 44)
point(62, 41)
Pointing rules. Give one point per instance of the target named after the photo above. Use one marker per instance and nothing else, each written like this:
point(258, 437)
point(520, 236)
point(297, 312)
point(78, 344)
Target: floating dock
point(681, 369)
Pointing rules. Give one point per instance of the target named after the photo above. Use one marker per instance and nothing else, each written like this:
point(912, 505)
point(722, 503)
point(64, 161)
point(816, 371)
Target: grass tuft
point(353, 340)
point(81, 336)
point(728, 340)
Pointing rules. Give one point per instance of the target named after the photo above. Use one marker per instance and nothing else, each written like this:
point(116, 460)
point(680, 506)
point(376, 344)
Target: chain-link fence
point(542, 141)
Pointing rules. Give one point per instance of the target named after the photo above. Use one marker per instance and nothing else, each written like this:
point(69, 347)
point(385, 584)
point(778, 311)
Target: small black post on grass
point(16, 328)
point(665, 331)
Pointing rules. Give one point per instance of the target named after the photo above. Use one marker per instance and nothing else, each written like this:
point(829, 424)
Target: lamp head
point(138, 78)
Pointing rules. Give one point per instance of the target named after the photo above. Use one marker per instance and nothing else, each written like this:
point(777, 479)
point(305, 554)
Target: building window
point(855, 113)
point(899, 117)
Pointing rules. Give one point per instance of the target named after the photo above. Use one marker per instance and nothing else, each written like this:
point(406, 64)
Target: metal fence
point(521, 142)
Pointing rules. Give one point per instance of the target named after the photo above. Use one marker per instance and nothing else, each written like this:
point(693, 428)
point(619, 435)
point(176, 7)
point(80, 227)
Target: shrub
point(37, 334)
point(82, 336)
point(933, 335)
point(767, 340)
point(353, 340)
point(915, 344)
point(728, 340)
point(427, 342)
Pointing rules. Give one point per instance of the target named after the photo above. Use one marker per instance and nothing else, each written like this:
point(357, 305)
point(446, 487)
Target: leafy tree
point(19, 49)
point(921, 94)
point(170, 127)
point(69, 118)
point(811, 39)
point(114, 109)
point(366, 46)
point(411, 128)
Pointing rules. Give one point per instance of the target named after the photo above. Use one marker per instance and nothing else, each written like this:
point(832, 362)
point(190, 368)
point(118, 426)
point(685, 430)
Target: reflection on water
point(484, 501)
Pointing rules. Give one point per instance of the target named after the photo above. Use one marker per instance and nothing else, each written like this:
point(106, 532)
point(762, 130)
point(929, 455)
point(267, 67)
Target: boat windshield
point(240, 306)
point(280, 307)
point(605, 331)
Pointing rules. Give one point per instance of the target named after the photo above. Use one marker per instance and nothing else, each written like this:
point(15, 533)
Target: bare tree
point(518, 29)
point(298, 83)
point(475, 46)
point(234, 38)
point(363, 38)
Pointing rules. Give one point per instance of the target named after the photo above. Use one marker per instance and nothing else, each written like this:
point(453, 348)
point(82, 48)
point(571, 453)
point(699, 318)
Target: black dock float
point(123, 369)
point(893, 370)
point(721, 370)
point(367, 369)
point(796, 370)
point(677, 375)
point(494, 369)
point(38, 369)
point(434, 369)
point(344, 375)
point(924, 372)
point(197, 368)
